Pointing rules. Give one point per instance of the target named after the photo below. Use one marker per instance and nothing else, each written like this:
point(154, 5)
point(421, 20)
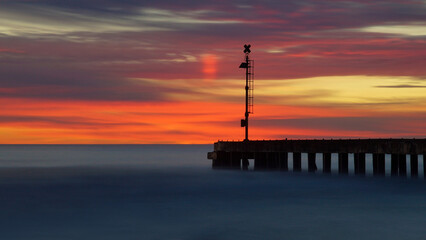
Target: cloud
point(412, 30)
point(35, 21)
point(52, 17)
point(180, 17)
point(122, 90)
point(53, 79)
point(389, 125)
point(401, 86)
point(64, 121)
point(14, 51)
point(30, 21)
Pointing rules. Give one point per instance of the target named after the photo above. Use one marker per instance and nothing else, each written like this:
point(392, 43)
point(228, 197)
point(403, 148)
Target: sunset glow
point(209, 65)
point(167, 72)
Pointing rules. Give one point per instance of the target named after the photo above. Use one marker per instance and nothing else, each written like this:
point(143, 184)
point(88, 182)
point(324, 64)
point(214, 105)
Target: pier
point(351, 154)
point(274, 155)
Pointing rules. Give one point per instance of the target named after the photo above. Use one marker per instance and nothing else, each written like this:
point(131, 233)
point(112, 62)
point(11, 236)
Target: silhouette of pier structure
point(274, 154)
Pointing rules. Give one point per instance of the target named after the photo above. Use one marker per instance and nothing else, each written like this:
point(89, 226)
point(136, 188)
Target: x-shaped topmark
point(247, 48)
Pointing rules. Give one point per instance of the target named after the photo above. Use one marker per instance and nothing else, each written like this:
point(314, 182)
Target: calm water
point(170, 192)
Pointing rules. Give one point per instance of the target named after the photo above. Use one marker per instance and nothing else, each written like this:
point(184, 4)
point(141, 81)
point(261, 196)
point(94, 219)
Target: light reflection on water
point(170, 192)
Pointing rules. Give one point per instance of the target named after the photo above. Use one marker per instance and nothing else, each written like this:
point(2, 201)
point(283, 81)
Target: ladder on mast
point(250, 73)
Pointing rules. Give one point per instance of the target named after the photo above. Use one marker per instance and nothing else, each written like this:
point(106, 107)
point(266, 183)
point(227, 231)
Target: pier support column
point(343, 163)
point(227, 160)
point(375, 164)
point(256, 162)
point(268, 160)
point(394, 164)
point(359, 163)
point(326, 162)
point(260, 161)
point(312, 167)
point(402, 163)
point(379, 164)
point(283, 161)
point(219, 162)
point(244, 161)
point(382, 169)
point(414, 164)
point(277, 160)
point(273, 161)
point(216, 163)
point(235, 160)
point(297, 161)
point(424, 165)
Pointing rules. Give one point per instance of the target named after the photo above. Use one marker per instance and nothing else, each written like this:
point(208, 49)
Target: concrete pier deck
point(274, 154)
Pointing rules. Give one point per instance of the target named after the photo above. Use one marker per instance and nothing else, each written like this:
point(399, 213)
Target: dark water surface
point(170, 192)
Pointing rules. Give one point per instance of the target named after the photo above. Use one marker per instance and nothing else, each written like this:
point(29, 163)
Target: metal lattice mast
point(249, 66)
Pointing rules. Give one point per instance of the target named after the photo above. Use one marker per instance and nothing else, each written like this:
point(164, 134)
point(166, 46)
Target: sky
point(163, 71)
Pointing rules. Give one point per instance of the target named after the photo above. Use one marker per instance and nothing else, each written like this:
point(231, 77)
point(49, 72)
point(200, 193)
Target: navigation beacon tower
point(249, 66)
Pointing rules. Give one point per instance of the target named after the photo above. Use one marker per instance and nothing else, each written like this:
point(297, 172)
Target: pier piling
point(402, 164)
point(359, 163)
point(414, 166)
point(424, 164)
point(394, 164)
point(378, 164)
point(381, 162)
point(312, 167)
point(297, 161)
point(283, 161)
point(326, 158)
point(343, 163)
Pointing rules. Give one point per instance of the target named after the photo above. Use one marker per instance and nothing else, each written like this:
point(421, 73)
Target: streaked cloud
point(27, 21)
point(401, 86)
point(412, 30)
point(341, 90)
point(31, 20)
point(366, 124)
point(181, 17)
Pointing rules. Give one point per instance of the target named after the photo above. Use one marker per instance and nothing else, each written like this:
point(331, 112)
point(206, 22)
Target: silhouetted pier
point(274, 154)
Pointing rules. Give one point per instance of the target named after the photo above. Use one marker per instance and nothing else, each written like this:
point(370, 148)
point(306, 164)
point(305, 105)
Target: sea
point(122, 192)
